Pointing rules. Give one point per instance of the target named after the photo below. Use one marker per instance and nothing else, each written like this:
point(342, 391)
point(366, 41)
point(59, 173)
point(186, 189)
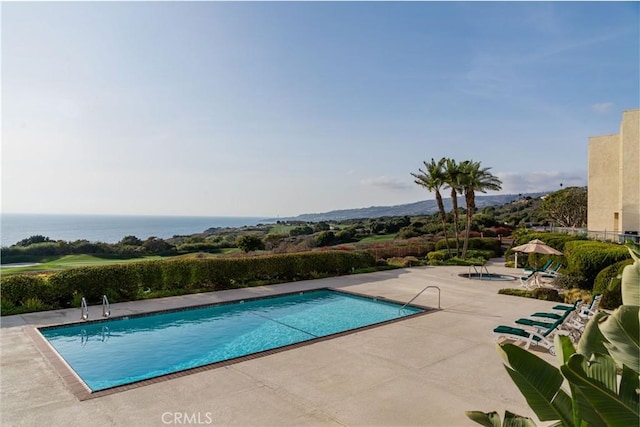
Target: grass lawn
point(71, 261)
point(378, 238)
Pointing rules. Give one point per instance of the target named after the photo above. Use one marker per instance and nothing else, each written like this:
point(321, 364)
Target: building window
point(616, 218)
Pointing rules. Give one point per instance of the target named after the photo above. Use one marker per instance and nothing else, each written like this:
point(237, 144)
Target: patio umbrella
point(536, 246)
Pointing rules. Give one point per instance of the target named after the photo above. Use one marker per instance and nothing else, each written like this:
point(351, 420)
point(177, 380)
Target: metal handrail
point(482, 267)
point(420, 293)
point(106, 310)
point(84, 309)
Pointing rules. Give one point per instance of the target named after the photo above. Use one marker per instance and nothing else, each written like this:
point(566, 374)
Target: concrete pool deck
point(422, 371)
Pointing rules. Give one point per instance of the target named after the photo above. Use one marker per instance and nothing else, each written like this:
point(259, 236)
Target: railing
point(84, 309)
point(482, 267)
point(420, 293)
point(106, 310)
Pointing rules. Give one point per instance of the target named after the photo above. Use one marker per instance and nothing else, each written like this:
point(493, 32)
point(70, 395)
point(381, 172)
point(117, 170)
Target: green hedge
point(609, 285)
point(125, 282)
point(587, 258)
point(442, 254)
point(395, 251)
point(481, 243)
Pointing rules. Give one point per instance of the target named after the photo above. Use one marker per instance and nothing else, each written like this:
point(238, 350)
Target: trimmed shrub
point(588, 258)
point(409, 261)
point(19, 288)
point(474, 243)
point(402, 250)
point(547, 294)
point(608, 284)
point(123, 282)
point(437, 255)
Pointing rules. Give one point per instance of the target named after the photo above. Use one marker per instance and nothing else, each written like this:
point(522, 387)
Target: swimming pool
point(120, 351)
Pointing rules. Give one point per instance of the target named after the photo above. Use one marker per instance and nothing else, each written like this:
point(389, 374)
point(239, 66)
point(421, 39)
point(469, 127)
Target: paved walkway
point(423, 371)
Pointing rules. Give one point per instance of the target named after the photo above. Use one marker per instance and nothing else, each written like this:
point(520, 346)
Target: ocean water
point(109, 228)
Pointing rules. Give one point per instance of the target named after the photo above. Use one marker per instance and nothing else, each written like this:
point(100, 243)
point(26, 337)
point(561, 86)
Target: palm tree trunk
point(470, 198)
point(454, 201)
point(443, 217)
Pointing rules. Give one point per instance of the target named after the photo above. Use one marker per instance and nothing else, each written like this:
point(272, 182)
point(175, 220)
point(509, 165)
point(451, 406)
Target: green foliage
point(546, 294)
point(588, 258)
point(125, 282)
point(33, 240)
point(631, 277)
point(155, 245)
point(571, 281)
point(326, 238)
point(301, 231)
point(440, 255)
point(460, 261)
point(385, 251)
point(482, 243)
point(567, 207)
point(516, 292)
point(408, 261)
point(597, 395)
point(608, 283)
point(33, 304)
point(492, 419)
point(250, 242)
point(131, 241)
point(208, 247)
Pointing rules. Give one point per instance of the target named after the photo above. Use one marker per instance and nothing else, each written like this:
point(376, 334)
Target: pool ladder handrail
point(106, 308)
point(84, 309)
point(420, 293)
point(482, 267)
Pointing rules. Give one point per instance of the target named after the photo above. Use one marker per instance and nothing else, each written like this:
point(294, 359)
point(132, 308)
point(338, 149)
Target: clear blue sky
point(265, 109)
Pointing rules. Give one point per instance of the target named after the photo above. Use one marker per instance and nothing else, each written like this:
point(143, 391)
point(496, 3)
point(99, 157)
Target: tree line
point(465, 179)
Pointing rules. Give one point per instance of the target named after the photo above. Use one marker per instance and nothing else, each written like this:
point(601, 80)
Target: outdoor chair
point(528, 269)
point(587, 312)
point(537, 337)
point(568, 322)
point(530, 281)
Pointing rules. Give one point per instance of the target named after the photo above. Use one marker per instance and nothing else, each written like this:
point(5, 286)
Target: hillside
point(425, 207)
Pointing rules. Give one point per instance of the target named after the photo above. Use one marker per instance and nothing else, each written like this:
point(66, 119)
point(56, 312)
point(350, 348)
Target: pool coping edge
point(82, 392)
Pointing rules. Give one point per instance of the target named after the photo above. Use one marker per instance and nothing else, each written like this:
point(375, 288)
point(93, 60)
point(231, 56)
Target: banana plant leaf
point(539, 382)
point(595, 380)
point(631, 277)
point(622, 333)
point(592, 341)
point(492, 419)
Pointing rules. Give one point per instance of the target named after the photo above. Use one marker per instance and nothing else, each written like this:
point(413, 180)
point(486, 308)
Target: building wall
point(630, 170)
point(614, 178)
point(603, 182)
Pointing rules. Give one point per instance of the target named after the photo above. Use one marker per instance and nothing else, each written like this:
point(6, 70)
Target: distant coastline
point(109, 228)
point(112, 228)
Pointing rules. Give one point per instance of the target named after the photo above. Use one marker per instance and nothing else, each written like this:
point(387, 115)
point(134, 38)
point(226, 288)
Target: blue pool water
point(122, 351)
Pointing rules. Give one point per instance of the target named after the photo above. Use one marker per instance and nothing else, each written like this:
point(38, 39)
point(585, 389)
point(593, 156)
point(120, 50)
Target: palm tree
point(475, 178)
point(433, 179)
point(452, 179)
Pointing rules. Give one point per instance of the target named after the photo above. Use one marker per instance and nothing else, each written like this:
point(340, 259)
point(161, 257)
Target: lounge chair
point(587, 312)
point(540, 333)
point(552, 271)
point(563, 307)
point(528, 336)
point(544, 267)
point(530, 281)
point(568, 322)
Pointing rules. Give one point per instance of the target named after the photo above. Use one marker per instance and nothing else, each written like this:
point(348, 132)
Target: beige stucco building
point(614, 179)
